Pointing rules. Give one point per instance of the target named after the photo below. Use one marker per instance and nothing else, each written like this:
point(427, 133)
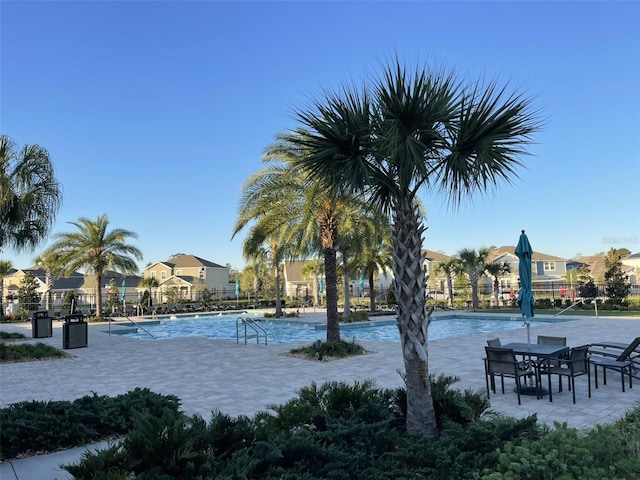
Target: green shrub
point(633, 302)
point(36, 426)
point(26, 351)
point(606, 452)
point(361, 316)
point(11, 335)
point(339, 349)
point(543, 303)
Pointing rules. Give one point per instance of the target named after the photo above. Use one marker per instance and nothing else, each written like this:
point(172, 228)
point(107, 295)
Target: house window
point(153, 274)
point(178, 273)
point(201, 274)
point(549, 266)
point(163, 275)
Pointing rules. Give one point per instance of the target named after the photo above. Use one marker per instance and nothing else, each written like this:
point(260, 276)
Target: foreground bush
point(334, 430)
point(35, 427)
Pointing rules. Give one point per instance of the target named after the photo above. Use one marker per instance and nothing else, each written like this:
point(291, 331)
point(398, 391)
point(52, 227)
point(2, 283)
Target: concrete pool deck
point(240, 379)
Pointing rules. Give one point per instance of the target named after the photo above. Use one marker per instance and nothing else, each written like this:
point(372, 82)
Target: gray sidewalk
point(242, 379)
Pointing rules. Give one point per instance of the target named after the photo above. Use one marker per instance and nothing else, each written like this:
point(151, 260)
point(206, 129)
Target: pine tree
point(616, 282)
point(28, 296)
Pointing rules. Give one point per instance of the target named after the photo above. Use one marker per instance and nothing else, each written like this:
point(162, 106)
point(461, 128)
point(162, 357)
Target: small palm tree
point(450, 268)
point(151, 283)
point(265, 242)
point(410, 131)
point(30, 195)
point(50, 261)
point(495, 270)
point(473, 262)
point(96, 249)
point(5, 269)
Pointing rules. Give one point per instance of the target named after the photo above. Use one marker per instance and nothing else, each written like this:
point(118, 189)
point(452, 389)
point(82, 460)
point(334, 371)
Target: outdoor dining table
point(542, 354)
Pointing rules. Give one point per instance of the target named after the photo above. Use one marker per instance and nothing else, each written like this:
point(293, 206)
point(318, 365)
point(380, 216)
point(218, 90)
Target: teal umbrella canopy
point(361, 282)
point(237, 288)
point(524, 252)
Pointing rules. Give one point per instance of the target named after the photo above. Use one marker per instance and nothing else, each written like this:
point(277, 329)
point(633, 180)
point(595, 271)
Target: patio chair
point(626, 362)
point(503, 362)
point(549, 340)
point(494, 343)
point(574, 365)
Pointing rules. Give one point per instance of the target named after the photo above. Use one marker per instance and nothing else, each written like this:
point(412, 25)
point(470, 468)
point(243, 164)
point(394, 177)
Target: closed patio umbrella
point(524, 252)
point(124, 297)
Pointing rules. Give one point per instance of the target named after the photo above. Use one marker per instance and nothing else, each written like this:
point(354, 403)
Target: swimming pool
point(223, 327)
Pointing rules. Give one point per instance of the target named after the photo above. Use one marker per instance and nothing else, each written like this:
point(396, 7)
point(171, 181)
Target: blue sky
point(155, 113)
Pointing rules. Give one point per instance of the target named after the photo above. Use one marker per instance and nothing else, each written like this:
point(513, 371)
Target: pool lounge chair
point(616, 356)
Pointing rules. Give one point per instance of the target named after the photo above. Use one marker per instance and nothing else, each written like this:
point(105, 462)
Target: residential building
point(548, 271)
point(184, 277)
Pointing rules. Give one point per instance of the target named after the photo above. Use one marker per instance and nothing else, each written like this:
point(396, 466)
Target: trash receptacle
point(74, 331)
point(41, 325)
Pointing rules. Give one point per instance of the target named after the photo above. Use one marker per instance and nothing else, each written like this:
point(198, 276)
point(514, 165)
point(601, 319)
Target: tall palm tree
point(30, 195)
point(5, 269)
point(413, 130)
point(96, 249)
point(473, 263)
point(302, 214)
point(50, 261)
point(495, 270)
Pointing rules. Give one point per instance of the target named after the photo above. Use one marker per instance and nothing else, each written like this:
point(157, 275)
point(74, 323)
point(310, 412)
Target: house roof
point(184, 261)
point(537, 256)
point(182, 279)
point(596, 264)
point(435, 256)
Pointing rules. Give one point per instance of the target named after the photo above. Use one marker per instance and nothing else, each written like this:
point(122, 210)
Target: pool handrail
point(576, 303)
point(137, 325)
point(249, 322)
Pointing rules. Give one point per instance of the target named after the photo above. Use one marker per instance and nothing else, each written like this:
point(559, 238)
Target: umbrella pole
point(528, 324)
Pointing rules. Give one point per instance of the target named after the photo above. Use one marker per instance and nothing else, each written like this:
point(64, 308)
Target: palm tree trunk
point(372, 293)
point(413, 322)
point(474, 291)
point(47, 296)
point(331, 277)
point(278, 295)
point(98, 277)
point(347, 284)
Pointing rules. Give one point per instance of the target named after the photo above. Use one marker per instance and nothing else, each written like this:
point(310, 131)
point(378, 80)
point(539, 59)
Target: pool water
point(223, 327)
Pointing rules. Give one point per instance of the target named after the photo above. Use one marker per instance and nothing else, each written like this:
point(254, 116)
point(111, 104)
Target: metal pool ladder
point(251, 330)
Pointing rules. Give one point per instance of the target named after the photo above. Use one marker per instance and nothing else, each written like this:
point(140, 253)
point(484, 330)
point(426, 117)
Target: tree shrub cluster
point(340, 431)
point(34, 427)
